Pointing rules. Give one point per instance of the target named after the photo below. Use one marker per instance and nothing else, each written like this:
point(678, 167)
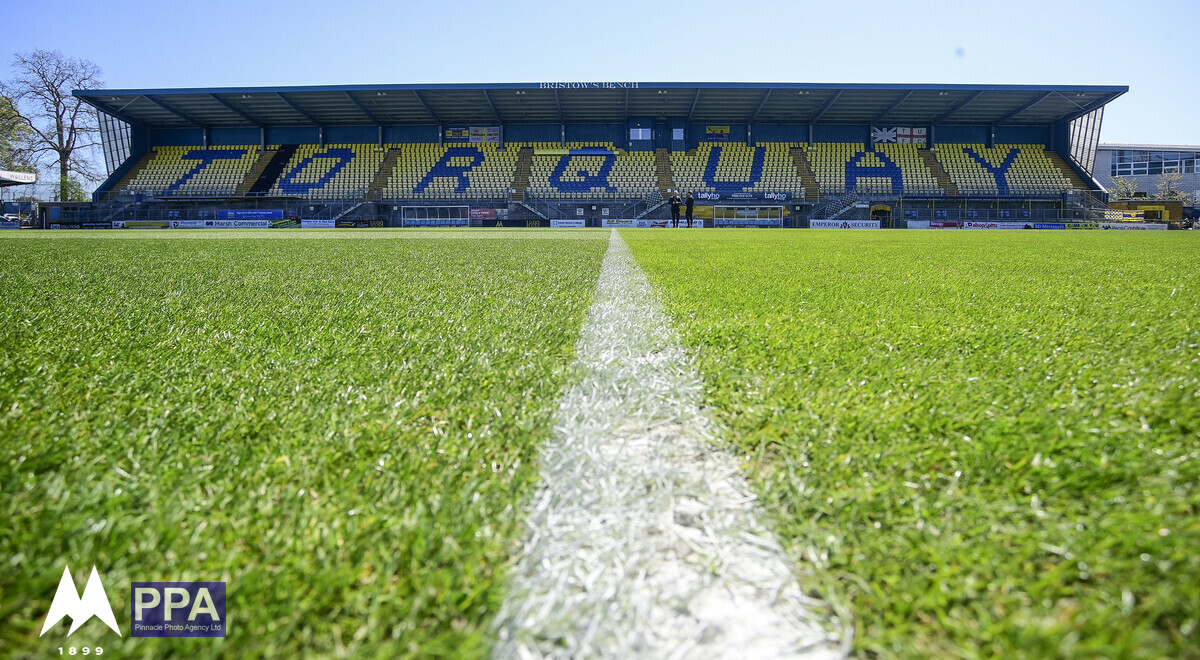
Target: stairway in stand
point(666, 179)
point(938, 171)
point(812, 189)
point(521, 175)
point(132, 174)
point(375, 190)
point(259, 165)
point(275, 162)
point(1076, 181)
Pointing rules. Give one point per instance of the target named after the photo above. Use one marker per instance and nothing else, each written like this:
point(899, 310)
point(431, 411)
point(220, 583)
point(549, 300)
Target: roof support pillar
point(262, 138)
point(321, 136)
point(206, 136)
point(380, 127)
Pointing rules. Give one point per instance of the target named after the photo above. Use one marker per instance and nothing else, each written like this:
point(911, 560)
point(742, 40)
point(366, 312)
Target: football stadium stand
point(729, 167)
point(595, 170)
point(1006, 169)
point(572, 153)
point(883, 169)
point(192, 171)
point(335, 171)
point(467, 171)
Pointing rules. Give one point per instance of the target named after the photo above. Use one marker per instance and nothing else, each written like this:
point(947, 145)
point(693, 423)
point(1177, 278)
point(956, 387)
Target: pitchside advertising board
point(219, 224)
point(844, 224)
point(1135, 226)
point(156, 609)
point(1098, 225)
point(639, 223)
point(995, 225)
point(251, 214)
point(568, 222)
point(707, 196)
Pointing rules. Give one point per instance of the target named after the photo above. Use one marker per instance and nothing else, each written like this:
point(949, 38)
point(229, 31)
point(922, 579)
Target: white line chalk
point(643, 540)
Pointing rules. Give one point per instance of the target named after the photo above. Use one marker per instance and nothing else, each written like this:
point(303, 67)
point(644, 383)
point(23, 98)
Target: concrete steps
point(939, 172)
point(133, 173)
point(384, 175)
point(259, 165)
point(808, 179)
point(1062, 166)
point(666, 178)
point(521, 175)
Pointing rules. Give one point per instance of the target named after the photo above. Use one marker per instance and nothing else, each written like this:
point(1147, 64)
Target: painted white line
point(643, 540)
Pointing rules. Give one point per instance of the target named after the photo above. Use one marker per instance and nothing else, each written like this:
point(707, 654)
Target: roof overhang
point(8, 178)
point(602, 102)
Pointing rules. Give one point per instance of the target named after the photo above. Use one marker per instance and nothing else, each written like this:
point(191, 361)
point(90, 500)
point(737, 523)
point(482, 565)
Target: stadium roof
point(1149, 147)
point(602, 102)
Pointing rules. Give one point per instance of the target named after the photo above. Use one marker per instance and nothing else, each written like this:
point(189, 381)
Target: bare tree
point(14, 138)
point(62, 125)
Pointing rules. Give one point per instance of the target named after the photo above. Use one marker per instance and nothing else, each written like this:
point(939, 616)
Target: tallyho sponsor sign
point(709, 196)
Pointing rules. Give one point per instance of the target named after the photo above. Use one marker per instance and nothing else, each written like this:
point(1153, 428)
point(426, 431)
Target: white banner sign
point(629, 222)
point(1132, 225)
point(569, 222)
point(317, 224)
point(844, 224)
point(995, 225)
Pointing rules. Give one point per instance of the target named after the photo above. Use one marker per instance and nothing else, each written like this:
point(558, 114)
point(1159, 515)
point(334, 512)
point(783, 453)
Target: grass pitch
point(985, 444)
point(980, 444)
point(344, 429)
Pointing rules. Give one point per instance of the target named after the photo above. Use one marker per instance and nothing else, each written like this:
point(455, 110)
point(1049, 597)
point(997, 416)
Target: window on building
point(639, 134)
point(677, 134)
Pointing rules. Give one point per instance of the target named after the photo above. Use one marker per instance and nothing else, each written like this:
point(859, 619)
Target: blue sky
point(1149, 45)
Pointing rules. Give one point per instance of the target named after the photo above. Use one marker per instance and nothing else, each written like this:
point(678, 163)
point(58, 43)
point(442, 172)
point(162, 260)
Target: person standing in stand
point(675, 204)
point(691, 201)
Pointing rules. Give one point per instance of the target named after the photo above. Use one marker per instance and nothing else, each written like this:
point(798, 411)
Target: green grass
point(343, 429)
point(984, 444)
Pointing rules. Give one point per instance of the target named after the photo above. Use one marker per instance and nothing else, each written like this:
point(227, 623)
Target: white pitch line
point(643, 540)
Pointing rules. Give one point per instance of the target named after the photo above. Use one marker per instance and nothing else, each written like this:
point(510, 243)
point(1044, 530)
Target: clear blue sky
point(1149, 45)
